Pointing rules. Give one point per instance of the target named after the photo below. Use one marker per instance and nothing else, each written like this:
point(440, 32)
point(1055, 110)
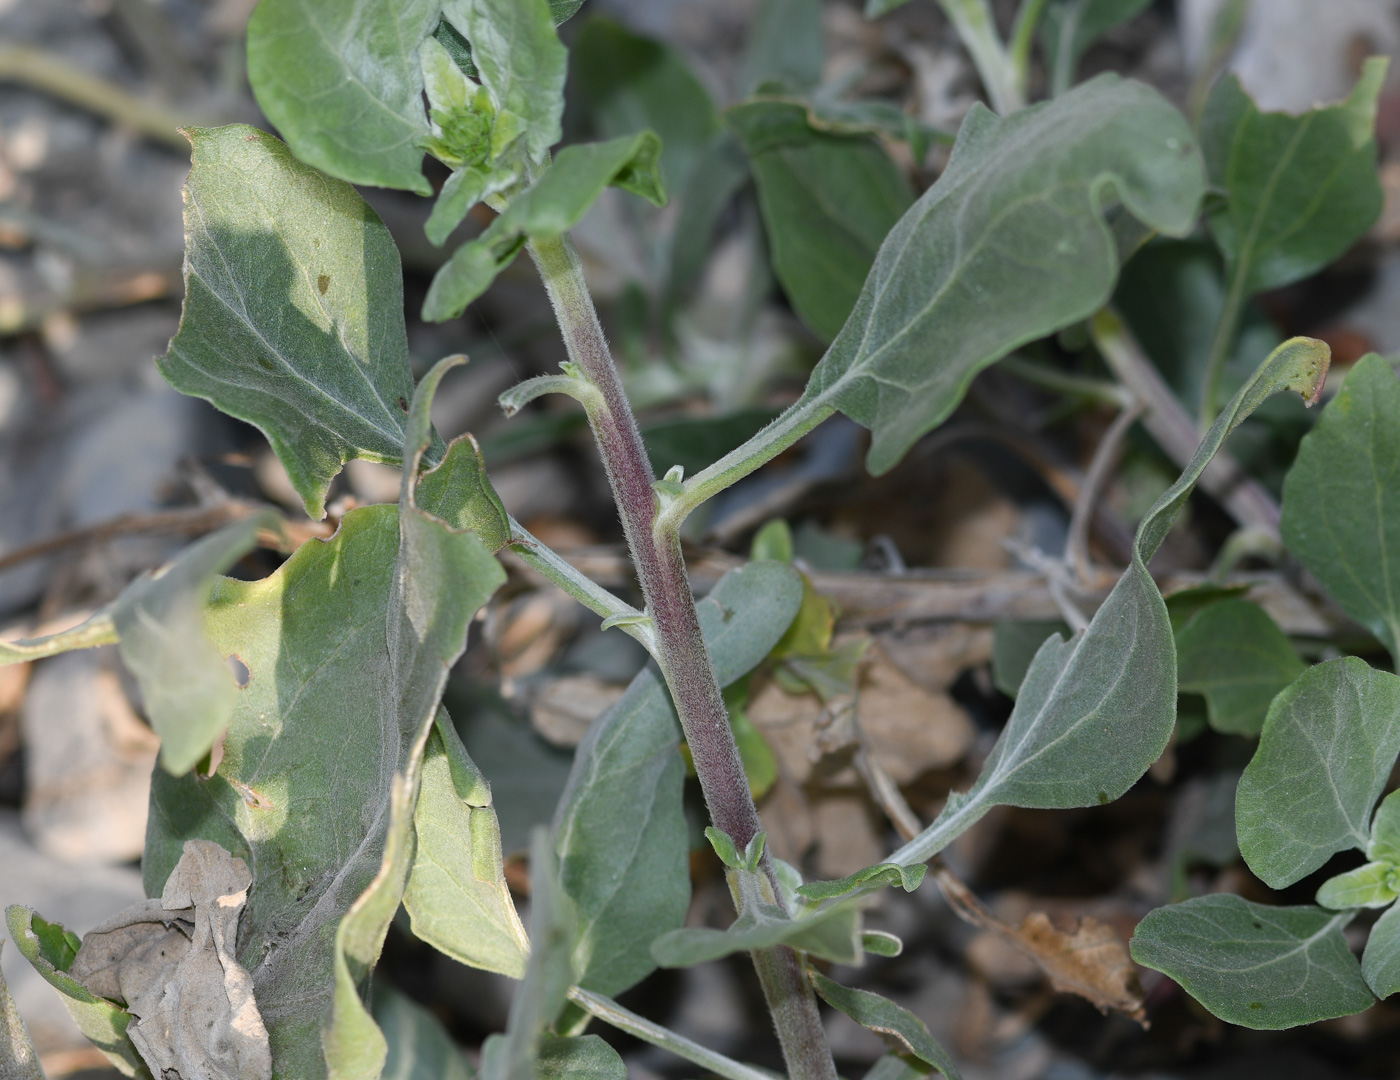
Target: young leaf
point(1324, 756)
point(1341, 500)
point(1380, 963)
point(419, 1048)
point(1069, 27)
point(458, 491)
point(293, 313)
point(907, 877)
point(457, 898)
point(1369, 886)
point(97, 630)
point(942, 300)
point(51, 950)
point(831, 933)
point(18, 1060)
point(1385, 830)
point(620, 830)
point(828, 201)
point(1260, 967)
point(1299, 190)
point(1114, 684)
point(340, 79)
point(520, 61)
point(187, 689)
point(883, 1015)
point(555, 203)
point(1236, 656)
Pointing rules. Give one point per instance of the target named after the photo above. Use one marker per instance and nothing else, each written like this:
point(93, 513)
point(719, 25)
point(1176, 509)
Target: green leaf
point(620, 830)
point(832, 933)
point(419, 1048)
point(293, 313)
point(1380, 963)
point(1368, 886)
point(458, 491)
point(1341, 500)
point(541, 996)
point(883, 1015)
point(1069, 27)
point(1236, 656)
point(907, 877)
point(897, 1067)
point(1299, 190)
point(340, 79)
point(187, 689)
point(1324, 756)
point(828, 201)
point(581, 1057)
point(555, 203)
point(51, 950)
point(943, 300)
point(1257, 966)
point(1385, 830)
point(1114, 684)
point(628, 83)
point(520, 61)
point(457, 898)
point(1183, 605)
point(785, 45)
point(18, 1059)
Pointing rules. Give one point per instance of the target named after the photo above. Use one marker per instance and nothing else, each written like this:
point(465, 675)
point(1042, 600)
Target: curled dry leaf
point(171, 961)
point(1092, 961)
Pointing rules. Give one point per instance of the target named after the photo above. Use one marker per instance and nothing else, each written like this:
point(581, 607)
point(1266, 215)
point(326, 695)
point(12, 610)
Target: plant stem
point(1225, 329)
point(974, 23)
point(1022, 34)
point(680, 648)
point(611, 1012)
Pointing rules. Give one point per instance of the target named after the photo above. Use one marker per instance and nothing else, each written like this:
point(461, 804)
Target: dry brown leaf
point(562, 709)
point(171, 961)
point(1091, 961)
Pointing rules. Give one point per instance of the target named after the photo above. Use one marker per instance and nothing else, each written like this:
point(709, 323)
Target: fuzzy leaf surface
point(553, 204)
point(18, 1060)
point(1235, 655)
point(1257, 966)
point(1299, 190)
point(883, 1015)
point(293, 313)
point(620, 831)
point(340, 79)
point(1114, 684)
point(828, 202)
point(337, 705)
point(1009, 245)
point(1380, 963)
point(1324, 756)
point(1341, 500)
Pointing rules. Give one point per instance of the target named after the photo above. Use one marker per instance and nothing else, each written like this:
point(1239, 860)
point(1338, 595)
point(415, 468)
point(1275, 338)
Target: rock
point(88, 761)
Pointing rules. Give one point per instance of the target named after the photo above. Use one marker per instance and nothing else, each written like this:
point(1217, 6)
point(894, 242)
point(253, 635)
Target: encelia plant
point(342, 791)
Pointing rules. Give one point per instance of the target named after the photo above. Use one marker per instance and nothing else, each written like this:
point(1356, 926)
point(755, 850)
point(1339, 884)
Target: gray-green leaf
point(553, 204)
point(341, 81)
point(579, 1057)
point(520, 61)
point(51, 950)
point(1238, 658)
point(1341, 500)
point(944, 300)
point(419, 1048)
point(1324, 756)
point(785, 45)
point(1069, 27)
point(828, 202)
point(18, 1060)
point(1114, 684)
point(883, 1015)
point(1385, 830)
point(458, 491)
point(1380, 963)
point(293, 314)
point(620, 830)
point(1257, 966)
point(1299, 190)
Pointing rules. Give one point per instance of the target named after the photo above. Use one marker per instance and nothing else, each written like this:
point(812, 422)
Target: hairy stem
point(974, 23)
point(680, 648)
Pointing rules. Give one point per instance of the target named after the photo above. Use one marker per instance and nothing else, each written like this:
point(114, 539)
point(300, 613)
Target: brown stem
point(681, 653)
